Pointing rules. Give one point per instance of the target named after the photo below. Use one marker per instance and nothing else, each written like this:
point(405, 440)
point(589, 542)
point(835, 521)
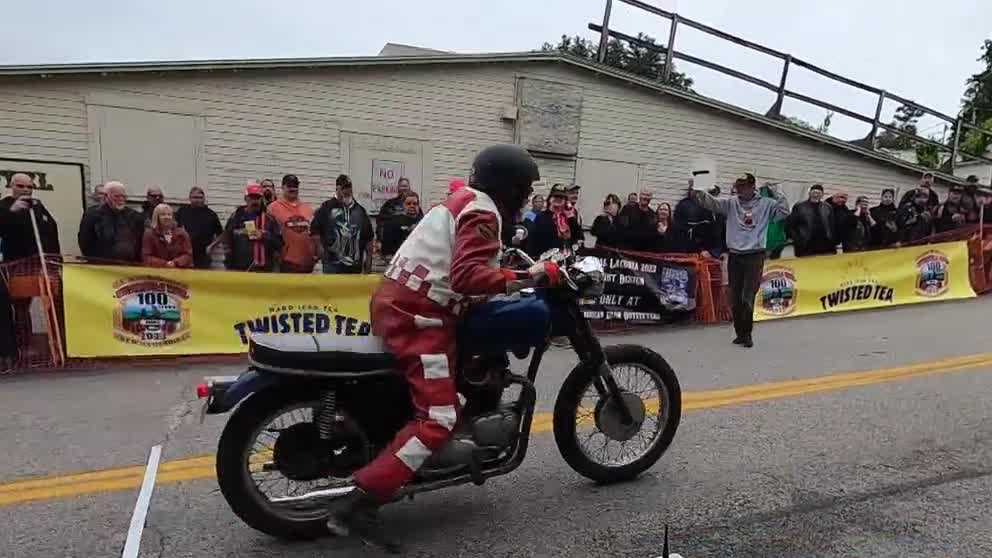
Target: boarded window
point(142, 147)
point(549, 116)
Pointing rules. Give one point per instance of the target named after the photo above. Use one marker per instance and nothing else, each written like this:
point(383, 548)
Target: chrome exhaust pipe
point(325, 494)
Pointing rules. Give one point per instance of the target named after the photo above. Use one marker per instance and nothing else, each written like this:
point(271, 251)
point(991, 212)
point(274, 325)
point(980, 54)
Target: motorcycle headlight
point(590, 276)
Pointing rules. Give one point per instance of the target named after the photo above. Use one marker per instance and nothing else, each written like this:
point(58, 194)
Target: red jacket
point(453, 253)
point(157, 252)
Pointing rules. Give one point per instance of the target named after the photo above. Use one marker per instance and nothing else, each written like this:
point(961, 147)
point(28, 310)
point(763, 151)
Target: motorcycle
point(312, 409)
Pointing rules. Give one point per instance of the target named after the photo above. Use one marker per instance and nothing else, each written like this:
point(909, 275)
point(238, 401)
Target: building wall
point(268, 123)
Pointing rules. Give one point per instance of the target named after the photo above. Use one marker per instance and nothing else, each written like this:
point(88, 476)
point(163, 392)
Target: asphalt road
point(896, 467)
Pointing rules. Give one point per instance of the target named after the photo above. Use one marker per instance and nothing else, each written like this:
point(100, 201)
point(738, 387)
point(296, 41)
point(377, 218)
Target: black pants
point(744, 272)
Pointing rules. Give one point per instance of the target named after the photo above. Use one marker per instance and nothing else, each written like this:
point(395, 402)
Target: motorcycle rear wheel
point(236, 481)
point(663, 410)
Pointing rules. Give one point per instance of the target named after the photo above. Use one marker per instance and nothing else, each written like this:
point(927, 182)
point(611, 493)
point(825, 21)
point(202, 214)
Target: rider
point(448, 260)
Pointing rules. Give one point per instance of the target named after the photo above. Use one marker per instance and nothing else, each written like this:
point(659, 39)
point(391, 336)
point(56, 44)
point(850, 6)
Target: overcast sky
point(920, 49)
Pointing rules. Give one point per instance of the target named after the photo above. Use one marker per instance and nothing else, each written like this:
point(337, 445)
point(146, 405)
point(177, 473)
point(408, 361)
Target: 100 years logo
point(932, 276)
point(151, 311)
point(778, 291)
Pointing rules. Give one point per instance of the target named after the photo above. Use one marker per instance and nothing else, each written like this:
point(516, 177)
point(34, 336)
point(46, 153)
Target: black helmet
point(505, 172)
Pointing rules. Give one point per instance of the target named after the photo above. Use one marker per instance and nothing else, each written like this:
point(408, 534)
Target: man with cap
point(555, 227)
point(811, 225)
point(252, 236)
point(951, 214)
point(748, 215)
point(926, 184)
point(969, 199)
point(342, 230)
point(916, 220)
point(294, 216)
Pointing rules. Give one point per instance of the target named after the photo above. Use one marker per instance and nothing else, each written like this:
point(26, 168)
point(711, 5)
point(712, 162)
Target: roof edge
point(268, 63)
point(44, 70)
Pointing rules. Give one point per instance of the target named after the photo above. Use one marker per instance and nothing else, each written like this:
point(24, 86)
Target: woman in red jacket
point(166, 244)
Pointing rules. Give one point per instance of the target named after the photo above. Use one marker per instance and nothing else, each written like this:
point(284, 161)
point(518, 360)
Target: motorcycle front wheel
point(591, 435)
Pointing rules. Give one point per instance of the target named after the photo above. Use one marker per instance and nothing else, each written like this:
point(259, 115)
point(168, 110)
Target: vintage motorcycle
point(312, 409)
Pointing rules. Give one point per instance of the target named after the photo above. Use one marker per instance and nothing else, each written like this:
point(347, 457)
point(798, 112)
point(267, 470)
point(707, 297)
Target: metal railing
point(781, 90)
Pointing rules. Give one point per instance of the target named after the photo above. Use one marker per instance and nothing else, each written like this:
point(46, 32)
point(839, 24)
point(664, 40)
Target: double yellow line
point(202, 466)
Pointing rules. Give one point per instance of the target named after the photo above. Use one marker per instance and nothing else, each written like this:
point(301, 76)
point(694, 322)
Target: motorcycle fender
point(225, 398)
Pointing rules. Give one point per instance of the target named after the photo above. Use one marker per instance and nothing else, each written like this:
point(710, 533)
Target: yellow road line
point(202, 466)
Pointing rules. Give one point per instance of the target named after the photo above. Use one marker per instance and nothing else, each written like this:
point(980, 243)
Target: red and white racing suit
point(451, 255)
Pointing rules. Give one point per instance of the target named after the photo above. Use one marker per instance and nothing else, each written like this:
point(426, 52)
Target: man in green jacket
point(775, 239)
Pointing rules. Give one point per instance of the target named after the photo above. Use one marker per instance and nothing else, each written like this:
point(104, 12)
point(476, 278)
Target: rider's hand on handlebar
point(546, 270)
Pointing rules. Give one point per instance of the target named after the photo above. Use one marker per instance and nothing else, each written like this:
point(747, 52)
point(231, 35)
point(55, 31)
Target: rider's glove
point(546, 270)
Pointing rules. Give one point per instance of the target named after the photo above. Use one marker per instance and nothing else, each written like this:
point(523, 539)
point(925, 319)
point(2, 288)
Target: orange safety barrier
point(28, 279)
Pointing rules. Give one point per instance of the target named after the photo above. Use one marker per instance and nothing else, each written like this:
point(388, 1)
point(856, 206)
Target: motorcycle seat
point(306, 354)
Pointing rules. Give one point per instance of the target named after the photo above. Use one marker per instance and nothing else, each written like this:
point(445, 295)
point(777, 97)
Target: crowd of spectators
point(270, 232)
point(817, 225)
point(283, 233)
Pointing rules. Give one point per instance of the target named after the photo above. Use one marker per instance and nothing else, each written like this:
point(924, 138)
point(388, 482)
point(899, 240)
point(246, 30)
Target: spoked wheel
point(273, 468)
point(590, 430)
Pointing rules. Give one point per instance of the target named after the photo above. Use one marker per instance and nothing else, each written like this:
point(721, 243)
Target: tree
point(643, 58)
point(976, 105)
point(905, 119)
point(928, 155)
point(823, 128)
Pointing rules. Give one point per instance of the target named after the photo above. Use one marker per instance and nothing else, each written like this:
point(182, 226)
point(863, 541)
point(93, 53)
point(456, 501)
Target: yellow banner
point(875, 279)
point(123, 311)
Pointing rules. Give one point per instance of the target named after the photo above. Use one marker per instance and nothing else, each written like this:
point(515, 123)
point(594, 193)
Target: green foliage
point(634, 58)
point(976, 105)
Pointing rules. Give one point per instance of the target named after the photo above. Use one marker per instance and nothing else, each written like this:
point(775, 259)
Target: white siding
point(667, 133)
point(268, 123)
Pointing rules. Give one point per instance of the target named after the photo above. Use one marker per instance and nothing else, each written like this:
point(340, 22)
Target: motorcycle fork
point(590, 351)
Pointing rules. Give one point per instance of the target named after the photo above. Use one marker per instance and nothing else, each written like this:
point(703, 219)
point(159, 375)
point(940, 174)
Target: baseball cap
point(573, 188)
point(455, 185)
point(291, 180)
point(253, 189)
point(558, 190)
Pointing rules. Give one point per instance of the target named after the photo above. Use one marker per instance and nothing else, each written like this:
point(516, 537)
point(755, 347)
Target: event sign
point(855, 281)
point(639, 289)
point(124, 311)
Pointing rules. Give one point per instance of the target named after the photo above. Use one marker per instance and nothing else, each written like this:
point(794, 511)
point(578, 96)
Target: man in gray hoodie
point(747, 217)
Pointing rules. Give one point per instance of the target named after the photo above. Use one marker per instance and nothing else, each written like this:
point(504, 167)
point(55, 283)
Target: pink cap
point(455, 185)
point(253, 189)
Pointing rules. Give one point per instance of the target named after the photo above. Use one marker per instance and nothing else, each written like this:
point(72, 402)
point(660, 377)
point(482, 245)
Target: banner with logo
point(127, 311)
point(640, 289)
point(874, 279)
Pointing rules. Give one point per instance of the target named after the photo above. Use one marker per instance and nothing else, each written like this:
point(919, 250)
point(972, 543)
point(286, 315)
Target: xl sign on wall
point(59, 186)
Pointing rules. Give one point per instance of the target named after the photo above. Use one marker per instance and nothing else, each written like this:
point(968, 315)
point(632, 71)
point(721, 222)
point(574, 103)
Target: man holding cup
point(252, 236)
